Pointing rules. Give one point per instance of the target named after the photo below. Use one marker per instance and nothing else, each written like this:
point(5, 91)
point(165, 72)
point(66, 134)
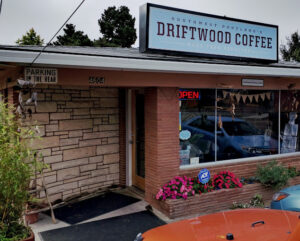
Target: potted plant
point(17, 158)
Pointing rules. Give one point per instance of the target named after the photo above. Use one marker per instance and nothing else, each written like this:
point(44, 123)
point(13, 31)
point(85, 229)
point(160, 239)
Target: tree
point(18, 159)
point(72, 37)
point(30, 38)
point(291, 52)
point(117, 27)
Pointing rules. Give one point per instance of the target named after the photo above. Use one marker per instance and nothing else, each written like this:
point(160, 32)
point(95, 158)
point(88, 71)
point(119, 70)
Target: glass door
point(138, 137)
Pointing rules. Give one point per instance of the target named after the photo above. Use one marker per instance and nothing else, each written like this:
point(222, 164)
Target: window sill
point(240, 160)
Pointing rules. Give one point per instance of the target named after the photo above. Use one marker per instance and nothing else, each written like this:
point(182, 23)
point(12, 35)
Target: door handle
point(258, 222)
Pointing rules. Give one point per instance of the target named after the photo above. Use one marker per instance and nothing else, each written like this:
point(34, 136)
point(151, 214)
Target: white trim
point(134, 64)
point(128, 139)
point(236, 161)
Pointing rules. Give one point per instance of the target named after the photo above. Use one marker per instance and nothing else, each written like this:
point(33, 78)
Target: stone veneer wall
point(79, 127)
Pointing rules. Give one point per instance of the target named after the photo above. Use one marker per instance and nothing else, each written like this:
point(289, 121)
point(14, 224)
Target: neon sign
point(189, 95)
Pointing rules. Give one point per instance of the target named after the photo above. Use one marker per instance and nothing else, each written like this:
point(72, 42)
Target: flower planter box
point(31, 238)
point(217, 200)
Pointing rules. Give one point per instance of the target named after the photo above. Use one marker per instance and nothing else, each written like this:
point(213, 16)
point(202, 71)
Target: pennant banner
point(251, 98)
point(244, 98)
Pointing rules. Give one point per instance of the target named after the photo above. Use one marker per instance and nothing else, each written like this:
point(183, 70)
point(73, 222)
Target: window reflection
point(289, 121)
point(243, 123)
point(198, 122)
point(249, 123)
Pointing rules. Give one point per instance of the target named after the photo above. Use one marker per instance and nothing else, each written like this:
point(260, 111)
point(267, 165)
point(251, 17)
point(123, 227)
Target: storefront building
point(112, 116)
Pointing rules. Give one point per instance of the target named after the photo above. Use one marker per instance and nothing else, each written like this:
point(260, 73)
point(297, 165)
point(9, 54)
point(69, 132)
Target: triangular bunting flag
point(238, 97)
point(256, 97)
point(244, 97)
point(268, 95)
point(250, 98)
point(262, 96)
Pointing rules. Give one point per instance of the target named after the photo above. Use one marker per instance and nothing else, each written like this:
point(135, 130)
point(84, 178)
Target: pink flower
point(182, 188)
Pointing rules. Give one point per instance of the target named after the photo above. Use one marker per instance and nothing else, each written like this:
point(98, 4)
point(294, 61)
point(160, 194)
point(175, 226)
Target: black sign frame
point(144, 35)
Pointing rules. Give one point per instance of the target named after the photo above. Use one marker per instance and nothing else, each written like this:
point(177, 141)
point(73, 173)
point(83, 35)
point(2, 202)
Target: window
point(198, 119)
point(248, 120)
point(230, 124)
point(290, 119)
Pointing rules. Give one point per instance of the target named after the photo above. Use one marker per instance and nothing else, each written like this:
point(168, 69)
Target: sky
point(46, 16)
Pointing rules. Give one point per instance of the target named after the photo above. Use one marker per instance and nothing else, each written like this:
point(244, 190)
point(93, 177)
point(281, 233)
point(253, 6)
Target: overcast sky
point(46, 16)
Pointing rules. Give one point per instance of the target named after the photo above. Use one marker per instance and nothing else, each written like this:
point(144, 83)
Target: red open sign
point(189, 95)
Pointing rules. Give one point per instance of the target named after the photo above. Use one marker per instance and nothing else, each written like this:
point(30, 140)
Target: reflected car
point(239, 225)
point(235, 139)
point(287, 199)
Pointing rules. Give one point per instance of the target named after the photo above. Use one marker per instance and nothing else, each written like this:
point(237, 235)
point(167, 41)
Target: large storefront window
point(289, 121)
point(197, 136)
point(218, 125)
point(247, 123)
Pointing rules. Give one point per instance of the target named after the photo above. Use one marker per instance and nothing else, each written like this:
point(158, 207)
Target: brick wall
point(79, 127)
point(217, 200)
point(162, 145)
point(244, 169)
point(161, 138)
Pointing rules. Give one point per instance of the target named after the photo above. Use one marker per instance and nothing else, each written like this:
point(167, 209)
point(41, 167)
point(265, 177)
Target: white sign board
point(41, 75)
point(253, 82)
point(177, 31)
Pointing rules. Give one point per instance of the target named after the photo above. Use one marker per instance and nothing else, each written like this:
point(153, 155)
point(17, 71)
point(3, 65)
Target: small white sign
point(184, 135)
point(253, 82)
point(41, 75)
point(194, 160)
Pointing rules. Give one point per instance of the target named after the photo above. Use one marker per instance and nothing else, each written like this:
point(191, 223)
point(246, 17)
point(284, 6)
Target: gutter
point(63, 60)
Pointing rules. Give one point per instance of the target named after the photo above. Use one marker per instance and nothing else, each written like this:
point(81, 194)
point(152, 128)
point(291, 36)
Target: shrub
point(182, 187)
point(178, 187)
point(255, 202)
point(292, 171)
point(226, 180)
point(16, 162)
point(273, 175)
point(202, 188)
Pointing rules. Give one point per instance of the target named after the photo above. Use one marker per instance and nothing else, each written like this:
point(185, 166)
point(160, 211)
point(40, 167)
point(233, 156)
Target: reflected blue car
point(287, 199)
point(235, 139)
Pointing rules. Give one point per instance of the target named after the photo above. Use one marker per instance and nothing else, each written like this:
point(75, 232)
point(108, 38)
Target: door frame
point(128, 137)
point(136, 180)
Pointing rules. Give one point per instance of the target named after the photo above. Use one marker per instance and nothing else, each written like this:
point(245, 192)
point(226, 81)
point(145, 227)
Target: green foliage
point(291, 52)
point(17, 160)
point(273, 175)
point(30, 38)
point(101, 42)
point(117, 27)
point(72, 37)
point(202, 188)
point(249, 180)
point(255, 202)
point(293, 172)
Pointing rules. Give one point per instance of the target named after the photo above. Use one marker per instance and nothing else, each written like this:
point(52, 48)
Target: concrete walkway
point(45, 222)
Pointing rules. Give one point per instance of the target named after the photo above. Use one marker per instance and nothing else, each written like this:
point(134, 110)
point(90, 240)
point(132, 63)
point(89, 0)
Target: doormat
point(83, 210)
point(122, 228)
